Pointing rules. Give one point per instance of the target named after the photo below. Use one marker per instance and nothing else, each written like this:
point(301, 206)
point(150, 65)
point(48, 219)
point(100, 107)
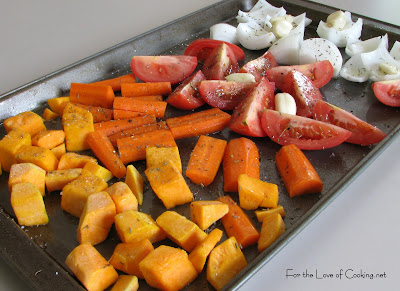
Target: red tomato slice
point(220, 63)
point(363, 133)
point(304, 132)
point(172, 69)
point(258, 66)
point(224, 95)
point(303, 90)
point(319, 72)
point(388, 92)
point(246, 117)
point(201, 48)
point(186, 96)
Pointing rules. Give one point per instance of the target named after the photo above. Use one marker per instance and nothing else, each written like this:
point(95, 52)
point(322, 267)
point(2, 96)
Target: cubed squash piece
point(167, 268)
point(9, 146)
point(225, 261)
point(261, 214)
point(96, 219)
point(27, 203)
point(74, 160)
point(134, 180)
point(75, 193)
point(27, 121)
point(77, 123)
point(57, 179)
point(58, 104)
point(272, 228)
point(48, 114)
point(123, 197)
point(41, 157)
point(156, 156)
point(205, 213)
point(200, 253)
point(48, 138)
point(93, 168)
point(59, 150)
point(169, 185)
point(91, 268)
point(254, 193)
point(127, 256)
point(181, 230)
point(27, 172)
point(134, 226)
point(126, 283)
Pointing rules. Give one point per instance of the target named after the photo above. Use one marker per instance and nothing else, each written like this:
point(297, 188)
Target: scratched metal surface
point(38, 253)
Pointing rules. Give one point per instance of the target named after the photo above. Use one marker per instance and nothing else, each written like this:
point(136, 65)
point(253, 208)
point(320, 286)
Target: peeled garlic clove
point(282, 28)
point(285, 103)
point(337, 20)
point(240, 77)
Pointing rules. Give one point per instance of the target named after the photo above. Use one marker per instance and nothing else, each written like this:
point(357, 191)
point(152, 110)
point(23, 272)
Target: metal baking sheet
point(38, 253)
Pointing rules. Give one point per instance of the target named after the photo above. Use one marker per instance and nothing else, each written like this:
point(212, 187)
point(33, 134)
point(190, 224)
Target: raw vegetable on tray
point(125, 121)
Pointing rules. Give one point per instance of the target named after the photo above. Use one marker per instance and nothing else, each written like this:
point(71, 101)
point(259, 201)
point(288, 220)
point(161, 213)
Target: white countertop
point(357, 233)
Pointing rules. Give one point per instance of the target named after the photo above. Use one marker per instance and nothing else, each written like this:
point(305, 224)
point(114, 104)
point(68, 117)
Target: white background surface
point(358, 231)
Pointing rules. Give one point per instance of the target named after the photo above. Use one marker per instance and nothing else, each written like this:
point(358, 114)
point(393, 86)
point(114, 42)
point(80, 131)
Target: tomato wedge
point(224, 95)
point(304, 132)
point(258, 66)
point(388, 92)
point(363, 133)
point(246, 117)
point(319, 72)
point(201, 48)
point(172, 69)
point(303, 90)
point(186, 96)
point(220, 63)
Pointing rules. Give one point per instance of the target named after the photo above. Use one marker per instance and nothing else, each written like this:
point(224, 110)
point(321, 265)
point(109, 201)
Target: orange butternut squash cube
point(58, 104)
point(77, 123)
point(57, 179)
point(27, 172)
point(59, 150)
point(272, 228)
point(181, 230)
point(27, 203)
point(41, 157)
point(134, 226)
point(156, 156)
point(135, 182)
point(205, 213)
point(169, 185)
point(91, 268)
point(254, 193)
point(123, 197)
point(200, 253)
point(9, 146)
point(167, 268)
point(27, 121)
point(74, 160)
point(126, 283)
point(96, 219)
point(48, 114)
point(93, 168)
point(127, 256)
point(75, 194)
point(261, 214)
point(225, 261)
point(48, 138)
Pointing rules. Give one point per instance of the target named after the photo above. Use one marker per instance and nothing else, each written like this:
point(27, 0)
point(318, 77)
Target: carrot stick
point(134, 148)
point(236, 223)
point(94, 95)
point(205, 160)
point(148, 97)
point(199, 123)
point(241, 157)
point(100, 114)
point(114, 126)
point(141, 89)
point(124, 114)
point(150, 107)
point(296, 171)
point(133, 131)
point(105, 152)
point(116, 83)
